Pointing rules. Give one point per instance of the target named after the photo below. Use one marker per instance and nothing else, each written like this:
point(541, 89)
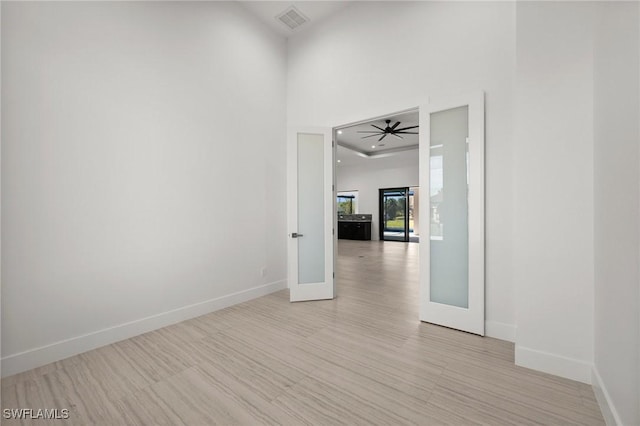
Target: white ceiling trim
point(386, 153)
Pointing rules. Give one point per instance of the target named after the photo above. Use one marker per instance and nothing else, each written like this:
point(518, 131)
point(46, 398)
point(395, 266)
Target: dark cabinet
point(354, 230)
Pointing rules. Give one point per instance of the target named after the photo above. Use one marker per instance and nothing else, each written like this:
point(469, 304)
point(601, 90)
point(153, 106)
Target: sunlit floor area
point(399, 236)
point(363, 358)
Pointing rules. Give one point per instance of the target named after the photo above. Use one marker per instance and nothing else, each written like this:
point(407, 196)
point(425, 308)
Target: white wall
point(131, 132)
point(375, 58)
point(124, 122)
point(553, 239)
point(617, 212)
point(369, 175)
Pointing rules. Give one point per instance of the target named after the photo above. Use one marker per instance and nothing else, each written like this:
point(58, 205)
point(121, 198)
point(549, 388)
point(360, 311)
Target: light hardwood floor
point(362, 358)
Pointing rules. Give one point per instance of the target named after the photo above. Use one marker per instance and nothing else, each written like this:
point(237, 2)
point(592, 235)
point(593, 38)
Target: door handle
point(296, 235)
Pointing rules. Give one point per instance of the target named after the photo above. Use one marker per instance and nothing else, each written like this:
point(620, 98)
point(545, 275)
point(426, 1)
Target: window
point(347, 202)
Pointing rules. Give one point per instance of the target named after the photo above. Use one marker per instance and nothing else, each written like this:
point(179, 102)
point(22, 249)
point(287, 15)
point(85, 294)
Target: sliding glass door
point(394, 214)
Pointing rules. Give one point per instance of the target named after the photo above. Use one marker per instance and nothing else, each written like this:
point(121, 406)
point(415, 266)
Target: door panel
point(452, 167)
point(310, 214)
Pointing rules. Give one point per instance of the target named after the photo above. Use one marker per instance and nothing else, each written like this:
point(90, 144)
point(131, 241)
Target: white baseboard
point(23, 361)
point(609, 411)
point(558, 365)
point(500, 330)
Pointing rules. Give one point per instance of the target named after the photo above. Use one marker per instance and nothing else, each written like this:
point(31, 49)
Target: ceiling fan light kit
point(389, 130)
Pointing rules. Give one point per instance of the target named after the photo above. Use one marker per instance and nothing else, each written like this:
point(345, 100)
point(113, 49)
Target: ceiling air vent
point(292, 18)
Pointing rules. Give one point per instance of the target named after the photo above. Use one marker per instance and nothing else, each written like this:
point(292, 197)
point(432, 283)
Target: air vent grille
point(292, 18)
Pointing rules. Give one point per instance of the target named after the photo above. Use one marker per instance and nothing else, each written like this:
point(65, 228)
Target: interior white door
point(310, 198)
point(452, 168)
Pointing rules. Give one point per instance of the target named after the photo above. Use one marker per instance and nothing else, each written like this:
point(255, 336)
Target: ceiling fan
point(389, 130)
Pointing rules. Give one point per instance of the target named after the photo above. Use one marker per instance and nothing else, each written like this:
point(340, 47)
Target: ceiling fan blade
point(399, 137)
point(395, 125)
point(379, 128)
point(368, 131)
point(364, 137)
point(407, 133)
point(383, 136)
point(407, 128)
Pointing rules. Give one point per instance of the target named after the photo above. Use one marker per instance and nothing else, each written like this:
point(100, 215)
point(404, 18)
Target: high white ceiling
point(352, 149)
point(354, 143)
point(315, 11)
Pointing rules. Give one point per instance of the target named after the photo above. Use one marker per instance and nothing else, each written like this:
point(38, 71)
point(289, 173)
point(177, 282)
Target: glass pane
point(449, 228)
point(310, 208)
point(393, 214)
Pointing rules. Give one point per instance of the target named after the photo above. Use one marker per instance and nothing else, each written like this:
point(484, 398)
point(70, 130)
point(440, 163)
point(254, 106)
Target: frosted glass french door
point(310, 220)
point(452, 257)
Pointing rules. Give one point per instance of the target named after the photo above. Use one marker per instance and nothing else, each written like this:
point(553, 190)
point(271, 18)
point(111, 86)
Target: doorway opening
point(374, 254)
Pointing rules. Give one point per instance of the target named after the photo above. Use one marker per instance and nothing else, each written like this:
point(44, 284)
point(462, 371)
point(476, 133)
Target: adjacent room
point(320, 212)
point(377, 165)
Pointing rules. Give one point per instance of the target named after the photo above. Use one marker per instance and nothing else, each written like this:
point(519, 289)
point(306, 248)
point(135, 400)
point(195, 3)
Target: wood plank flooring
point(362, 358)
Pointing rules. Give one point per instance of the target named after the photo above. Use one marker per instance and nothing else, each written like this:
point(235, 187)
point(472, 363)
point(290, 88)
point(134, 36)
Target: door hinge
point(333, 231)
point(333, 187)
point(333, 144)
point(334, 275)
